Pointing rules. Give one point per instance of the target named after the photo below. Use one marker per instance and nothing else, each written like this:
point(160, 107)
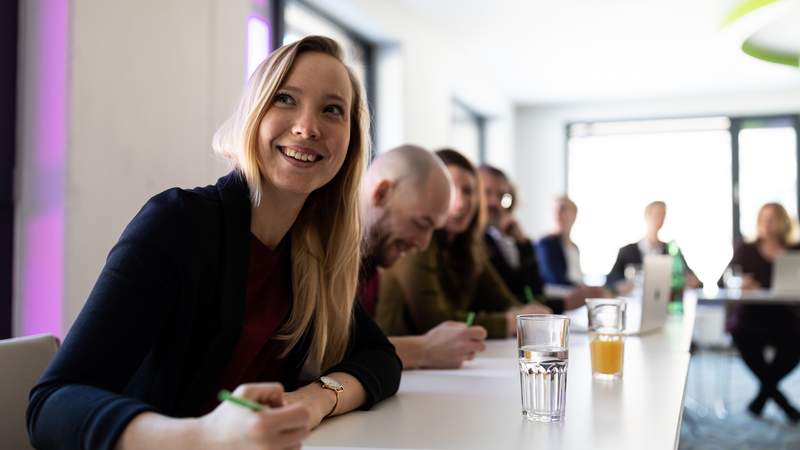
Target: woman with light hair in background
point(453, 276)
point(756, 327)
point(244, 285)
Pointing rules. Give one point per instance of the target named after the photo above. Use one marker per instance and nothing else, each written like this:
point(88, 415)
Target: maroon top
point(368, 286)
point(257, 356)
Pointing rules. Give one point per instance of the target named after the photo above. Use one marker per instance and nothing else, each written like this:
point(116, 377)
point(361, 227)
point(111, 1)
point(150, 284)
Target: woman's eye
point(284, 98)
point(334, 109)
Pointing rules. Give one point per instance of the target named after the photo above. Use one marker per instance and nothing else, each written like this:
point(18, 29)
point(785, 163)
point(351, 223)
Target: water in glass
point(543, 380)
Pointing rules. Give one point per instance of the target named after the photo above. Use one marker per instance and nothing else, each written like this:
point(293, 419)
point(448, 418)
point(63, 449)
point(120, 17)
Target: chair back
point(22, 361)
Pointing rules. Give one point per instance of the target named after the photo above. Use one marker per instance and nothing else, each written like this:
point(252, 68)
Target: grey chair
point(22, 361)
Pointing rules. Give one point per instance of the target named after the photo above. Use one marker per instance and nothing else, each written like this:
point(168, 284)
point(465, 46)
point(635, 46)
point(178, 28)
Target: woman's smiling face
point(465, 200)
point(304, 135)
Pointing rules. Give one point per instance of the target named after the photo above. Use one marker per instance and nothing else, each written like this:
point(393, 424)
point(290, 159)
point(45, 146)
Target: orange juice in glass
point(606, 341)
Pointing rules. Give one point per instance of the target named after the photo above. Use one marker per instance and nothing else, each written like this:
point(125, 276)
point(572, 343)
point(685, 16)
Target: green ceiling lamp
point(768, 29)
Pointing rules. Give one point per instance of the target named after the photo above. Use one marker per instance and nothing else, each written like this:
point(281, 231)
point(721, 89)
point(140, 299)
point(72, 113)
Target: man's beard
point(377, 242)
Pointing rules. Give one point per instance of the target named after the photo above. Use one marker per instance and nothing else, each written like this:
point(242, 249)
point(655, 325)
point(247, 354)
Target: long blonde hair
point(326, 235)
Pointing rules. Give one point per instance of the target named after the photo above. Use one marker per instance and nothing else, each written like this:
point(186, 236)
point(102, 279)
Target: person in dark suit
point(632, 255)
point(510, 251)
point(756, 327)
point(247, 285)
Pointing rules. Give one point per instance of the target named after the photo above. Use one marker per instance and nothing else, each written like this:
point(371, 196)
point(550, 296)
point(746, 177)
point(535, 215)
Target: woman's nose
point(306, 125)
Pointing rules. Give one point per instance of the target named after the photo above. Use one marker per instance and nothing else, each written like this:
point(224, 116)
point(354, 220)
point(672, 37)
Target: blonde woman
point(246, 285)
point(755, 327)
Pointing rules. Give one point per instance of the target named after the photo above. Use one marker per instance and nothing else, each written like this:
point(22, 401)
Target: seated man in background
point(510, 251)
point(405, 195)
point(633, 254)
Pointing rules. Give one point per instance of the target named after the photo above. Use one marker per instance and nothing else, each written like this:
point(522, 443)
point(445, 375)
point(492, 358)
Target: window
point(713, 173)
point(468, 132)
point(616, 169)
point(767, 170)
point(301, 19)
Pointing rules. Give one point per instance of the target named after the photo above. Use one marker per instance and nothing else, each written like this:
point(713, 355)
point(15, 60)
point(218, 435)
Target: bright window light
point(767, 173)
point(257, 43)
point(612, 178)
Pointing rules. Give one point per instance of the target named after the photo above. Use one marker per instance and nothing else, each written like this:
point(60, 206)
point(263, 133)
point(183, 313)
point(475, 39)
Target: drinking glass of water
point(542, 343)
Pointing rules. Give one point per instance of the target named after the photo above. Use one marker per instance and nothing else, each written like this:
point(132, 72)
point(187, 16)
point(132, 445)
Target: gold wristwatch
point(335, 386)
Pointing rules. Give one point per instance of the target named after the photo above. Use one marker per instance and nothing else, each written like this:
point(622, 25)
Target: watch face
point(328, 381)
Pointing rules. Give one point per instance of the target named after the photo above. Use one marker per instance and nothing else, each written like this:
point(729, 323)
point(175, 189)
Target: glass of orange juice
point(606, 339)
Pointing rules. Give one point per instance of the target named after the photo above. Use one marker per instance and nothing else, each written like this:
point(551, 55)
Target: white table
point(740, 296)
point(478, 407)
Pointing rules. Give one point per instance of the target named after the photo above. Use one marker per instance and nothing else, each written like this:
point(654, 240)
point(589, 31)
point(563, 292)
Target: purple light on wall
point(44, 275)
point(43, 266)
point(258, 42)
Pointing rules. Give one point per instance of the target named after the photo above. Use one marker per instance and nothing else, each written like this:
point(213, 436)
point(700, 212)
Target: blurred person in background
point(453, 276)
point(756, 327)
point(405, 195)
point(631, 256)
point(560, 259)
point(510, 251)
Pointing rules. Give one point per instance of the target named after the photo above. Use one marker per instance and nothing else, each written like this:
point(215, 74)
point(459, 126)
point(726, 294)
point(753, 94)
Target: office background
point(116, 101)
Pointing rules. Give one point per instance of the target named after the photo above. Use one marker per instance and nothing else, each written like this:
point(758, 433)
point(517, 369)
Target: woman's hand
point(320, 402)
point(277, 426)
point(449, 344)
point(748, 282)
point(317, 402)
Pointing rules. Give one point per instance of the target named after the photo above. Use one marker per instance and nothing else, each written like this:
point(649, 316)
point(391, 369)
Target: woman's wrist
point(150, 429)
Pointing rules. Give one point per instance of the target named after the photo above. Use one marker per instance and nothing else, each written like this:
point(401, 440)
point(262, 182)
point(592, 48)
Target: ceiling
point(563, 51)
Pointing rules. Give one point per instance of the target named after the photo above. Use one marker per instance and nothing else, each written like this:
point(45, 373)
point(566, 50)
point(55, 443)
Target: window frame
point(737, 124)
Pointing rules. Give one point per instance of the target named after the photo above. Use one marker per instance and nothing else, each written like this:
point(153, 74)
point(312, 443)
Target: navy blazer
point(163, 320)
point(630, 254)
point(552, 260)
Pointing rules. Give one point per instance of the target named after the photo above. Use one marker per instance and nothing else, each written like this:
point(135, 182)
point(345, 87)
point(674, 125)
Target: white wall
point(421, 70)
point(148, 83)
point(539, 160)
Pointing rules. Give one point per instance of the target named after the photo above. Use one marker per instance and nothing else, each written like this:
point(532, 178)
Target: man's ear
point(382, 192)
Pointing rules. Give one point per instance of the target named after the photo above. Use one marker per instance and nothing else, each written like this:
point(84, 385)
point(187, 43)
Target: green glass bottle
point(678, 277)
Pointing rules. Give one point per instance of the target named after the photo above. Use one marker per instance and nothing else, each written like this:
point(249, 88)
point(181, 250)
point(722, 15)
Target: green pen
point(225, 395)
point(470, 318)
point(529, 294)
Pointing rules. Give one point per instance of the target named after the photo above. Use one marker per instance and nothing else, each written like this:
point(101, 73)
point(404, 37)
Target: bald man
point(405, 195)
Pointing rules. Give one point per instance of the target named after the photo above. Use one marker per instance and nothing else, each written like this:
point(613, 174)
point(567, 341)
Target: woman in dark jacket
point(242, 285)
point(755, 327)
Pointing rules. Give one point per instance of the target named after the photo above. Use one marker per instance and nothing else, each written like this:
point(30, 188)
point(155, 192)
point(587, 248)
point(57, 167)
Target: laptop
point(646, 310)
point(786, 274)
